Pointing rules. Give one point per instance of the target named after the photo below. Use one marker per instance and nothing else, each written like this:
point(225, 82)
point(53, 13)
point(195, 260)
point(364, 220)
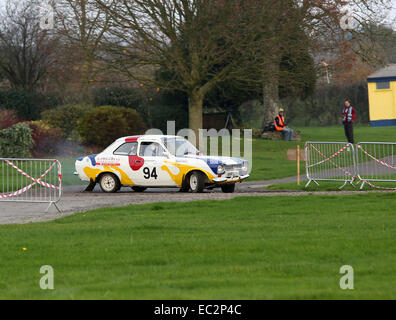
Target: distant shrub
point(66, 118)
point(102, 125)
point(27, 105)
point(16, 141)
point(161, 114)
point(8, 118)
point(117, 96)
point(47, 140)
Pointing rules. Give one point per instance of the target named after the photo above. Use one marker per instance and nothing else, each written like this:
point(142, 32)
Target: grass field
point(245, 248)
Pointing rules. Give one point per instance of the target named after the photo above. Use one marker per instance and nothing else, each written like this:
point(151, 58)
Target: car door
point(154, 157)
point(129, 162)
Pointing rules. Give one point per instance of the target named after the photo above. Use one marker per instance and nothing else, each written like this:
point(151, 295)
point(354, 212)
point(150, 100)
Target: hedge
point(16, 141)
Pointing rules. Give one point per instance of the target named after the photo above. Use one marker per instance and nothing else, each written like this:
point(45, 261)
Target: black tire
point(197, 182)
point(228, 188)
point(185, 185)
point(139, 189)
point(109, 183)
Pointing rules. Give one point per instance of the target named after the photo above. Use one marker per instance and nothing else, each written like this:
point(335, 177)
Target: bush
point(16, 141)
point(66, 118)
point(130, 98)
point(102, 125)
point(8, 118)
point(47, 140)
point(117, 96)
point(27, 105)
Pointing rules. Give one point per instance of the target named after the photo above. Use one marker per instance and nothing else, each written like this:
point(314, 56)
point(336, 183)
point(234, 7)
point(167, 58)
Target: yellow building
point(382, 97)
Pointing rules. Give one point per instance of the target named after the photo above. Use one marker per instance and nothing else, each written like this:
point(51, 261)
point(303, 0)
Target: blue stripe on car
point(92, 158)
point(213, 162)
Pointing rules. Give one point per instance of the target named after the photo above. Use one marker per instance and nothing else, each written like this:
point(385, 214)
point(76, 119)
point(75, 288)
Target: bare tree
point(81, 26)
point(26, 51)
point(201, 43)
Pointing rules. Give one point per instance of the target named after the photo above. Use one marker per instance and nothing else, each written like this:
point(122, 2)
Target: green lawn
point(245, 248)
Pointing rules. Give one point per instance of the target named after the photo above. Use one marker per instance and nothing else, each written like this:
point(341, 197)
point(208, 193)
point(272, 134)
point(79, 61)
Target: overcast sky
point(390, 16)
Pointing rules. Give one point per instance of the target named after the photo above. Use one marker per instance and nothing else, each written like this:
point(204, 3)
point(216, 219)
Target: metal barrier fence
point(31, 180)
point(376, 162)
point(330, 161)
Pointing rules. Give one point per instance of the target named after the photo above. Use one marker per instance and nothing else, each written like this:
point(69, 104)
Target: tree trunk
point(271, 96)
point(195, 110)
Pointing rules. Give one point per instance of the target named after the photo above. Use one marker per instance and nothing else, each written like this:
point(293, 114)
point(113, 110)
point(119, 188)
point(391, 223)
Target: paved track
point(75, 200)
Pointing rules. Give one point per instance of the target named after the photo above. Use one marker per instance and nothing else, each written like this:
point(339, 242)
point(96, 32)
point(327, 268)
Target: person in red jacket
point(349, 115)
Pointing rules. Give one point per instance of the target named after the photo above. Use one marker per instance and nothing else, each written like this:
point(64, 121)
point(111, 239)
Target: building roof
point(388, 72)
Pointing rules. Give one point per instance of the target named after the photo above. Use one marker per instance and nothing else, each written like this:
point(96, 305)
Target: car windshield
point(179, 146)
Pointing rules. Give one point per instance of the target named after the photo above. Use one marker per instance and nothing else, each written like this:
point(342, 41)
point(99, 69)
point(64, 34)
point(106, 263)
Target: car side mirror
point(167, 154)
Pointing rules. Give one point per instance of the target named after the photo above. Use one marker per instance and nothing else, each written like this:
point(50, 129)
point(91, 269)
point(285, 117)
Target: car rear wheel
point(109, 183)
point(197, 182)
point(228, 188)
point(139, 189)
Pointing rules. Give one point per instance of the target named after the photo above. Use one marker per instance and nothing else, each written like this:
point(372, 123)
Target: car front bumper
point(231, 180)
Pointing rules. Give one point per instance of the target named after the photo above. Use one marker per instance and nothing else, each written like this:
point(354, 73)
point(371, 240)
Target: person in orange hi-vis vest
point(280, 125)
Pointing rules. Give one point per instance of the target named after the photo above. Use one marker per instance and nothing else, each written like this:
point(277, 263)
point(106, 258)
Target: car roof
point(147, 137)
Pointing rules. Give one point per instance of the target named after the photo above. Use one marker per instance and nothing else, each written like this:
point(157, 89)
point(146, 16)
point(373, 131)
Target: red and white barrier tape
point(377, 187)
point(36, 181)
point(380, 162)
point(377, 160)
point(329, 158)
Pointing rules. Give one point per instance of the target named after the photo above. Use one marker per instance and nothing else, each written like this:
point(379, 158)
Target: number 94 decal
point(148, 174)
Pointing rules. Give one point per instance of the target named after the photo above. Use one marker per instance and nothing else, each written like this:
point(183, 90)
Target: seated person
point(280, 125)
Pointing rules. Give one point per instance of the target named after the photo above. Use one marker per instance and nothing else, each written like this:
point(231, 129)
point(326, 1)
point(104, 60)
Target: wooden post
point(298, 165)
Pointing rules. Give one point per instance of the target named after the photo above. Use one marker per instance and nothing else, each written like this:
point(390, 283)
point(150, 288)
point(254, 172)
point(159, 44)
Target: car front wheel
point(109, 183)
point(228, 188)
point(197, 182)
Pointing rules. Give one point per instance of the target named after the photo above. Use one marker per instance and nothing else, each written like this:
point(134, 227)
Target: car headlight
point(245, 166)
point(220, 169)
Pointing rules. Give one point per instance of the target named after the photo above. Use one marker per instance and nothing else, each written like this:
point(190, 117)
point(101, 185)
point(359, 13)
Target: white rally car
point(143, 162)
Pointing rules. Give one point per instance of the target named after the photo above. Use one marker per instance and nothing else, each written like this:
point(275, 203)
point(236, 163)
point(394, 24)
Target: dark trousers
point(349, 131)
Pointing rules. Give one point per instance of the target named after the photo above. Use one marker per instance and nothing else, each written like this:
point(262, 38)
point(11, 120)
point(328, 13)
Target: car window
point(127, 149)
point(151, 149)
point(179, 147)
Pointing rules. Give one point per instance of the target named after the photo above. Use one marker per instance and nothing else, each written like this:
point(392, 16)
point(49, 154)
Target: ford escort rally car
point(142, 162)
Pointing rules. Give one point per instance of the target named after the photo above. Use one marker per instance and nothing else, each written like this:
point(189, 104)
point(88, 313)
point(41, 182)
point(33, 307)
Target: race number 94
point(150, 174)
